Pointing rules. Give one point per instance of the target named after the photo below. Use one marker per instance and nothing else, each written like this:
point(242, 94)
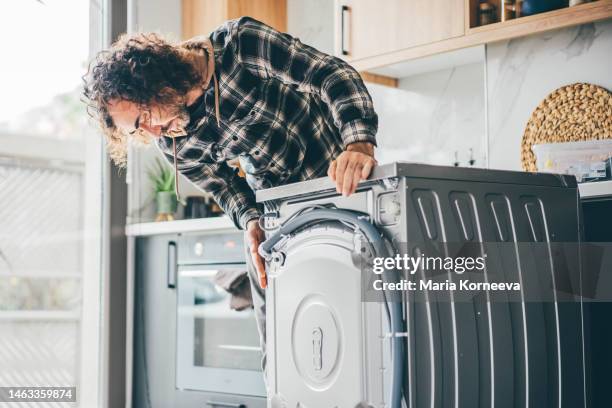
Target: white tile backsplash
point(431, 116)
point(523, 71)
point(312, 22)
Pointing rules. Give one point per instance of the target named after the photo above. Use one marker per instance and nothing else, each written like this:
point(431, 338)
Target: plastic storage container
point(585, 160)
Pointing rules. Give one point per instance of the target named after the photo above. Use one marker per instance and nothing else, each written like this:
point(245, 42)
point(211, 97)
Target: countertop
point(595, 189)
point(179, 226)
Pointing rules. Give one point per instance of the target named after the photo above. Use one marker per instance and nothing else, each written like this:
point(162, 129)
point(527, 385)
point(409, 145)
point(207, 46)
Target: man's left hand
point(352, 166)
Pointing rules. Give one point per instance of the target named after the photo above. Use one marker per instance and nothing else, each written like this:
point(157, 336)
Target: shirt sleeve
point(268, 53)
point(230, 191)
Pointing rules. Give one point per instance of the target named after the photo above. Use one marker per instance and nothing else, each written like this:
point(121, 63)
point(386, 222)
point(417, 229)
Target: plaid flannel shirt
point(287, 110)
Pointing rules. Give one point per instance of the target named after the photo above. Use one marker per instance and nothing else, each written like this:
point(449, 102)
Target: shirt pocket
point(251, 110)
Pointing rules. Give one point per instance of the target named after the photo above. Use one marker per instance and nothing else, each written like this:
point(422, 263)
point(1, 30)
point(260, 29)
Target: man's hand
point(352, 166)
point(256, 236)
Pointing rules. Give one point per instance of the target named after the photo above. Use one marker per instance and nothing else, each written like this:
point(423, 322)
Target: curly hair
point(144, 69)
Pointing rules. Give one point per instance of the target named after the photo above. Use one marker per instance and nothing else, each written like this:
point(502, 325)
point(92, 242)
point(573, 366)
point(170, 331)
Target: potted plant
point(165, 198)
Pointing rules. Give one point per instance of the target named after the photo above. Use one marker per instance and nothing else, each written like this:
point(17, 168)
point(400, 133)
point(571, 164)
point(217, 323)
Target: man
point(286, 111)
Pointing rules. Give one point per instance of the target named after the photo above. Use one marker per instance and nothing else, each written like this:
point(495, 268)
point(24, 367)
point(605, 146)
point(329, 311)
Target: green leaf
point(162, 177)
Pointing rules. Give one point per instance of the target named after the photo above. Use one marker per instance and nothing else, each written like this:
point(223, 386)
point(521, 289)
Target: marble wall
point(435, 117)
point(522, 72)
point(312, 22)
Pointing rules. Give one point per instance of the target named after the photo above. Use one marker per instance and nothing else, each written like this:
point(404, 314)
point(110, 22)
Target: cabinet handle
point(224, 404)
point(172, 265)
point(344, 47)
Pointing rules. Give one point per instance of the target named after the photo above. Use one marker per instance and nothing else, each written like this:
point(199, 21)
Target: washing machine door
point(325, 346)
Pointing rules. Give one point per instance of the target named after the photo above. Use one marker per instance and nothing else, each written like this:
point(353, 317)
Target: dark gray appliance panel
point(505, 354)
point(482, 353)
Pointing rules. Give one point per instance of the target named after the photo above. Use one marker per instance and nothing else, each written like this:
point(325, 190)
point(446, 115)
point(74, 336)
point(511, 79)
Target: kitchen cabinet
point(154, 342)
point(377, 34)
point(399, 24)
point(203, 16)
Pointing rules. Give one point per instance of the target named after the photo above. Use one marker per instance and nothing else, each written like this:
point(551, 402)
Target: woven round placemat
point(571, 113)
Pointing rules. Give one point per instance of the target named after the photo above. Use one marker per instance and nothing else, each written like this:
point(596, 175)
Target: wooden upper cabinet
point(367, 28)
point(203, 16)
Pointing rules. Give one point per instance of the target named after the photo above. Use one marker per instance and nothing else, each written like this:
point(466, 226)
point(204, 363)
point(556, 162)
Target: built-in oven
point(191, 349)
point(217, 348)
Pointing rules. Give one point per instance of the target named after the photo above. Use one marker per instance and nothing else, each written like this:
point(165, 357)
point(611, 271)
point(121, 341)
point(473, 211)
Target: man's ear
point(193, 43)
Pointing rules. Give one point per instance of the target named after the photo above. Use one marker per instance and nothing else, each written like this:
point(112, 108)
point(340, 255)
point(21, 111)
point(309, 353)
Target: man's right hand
point(255, 236)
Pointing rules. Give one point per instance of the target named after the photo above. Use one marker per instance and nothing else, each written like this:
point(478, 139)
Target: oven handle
point(224, 404)
point(172, 265)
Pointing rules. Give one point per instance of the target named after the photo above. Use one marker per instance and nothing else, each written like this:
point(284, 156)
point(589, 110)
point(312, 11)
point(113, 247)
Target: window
point(51, 205)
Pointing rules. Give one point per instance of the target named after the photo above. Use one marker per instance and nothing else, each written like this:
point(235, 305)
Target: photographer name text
point(436, 265)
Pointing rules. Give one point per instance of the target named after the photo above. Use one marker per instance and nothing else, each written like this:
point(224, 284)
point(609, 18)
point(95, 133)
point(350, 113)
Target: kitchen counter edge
point(180, 226)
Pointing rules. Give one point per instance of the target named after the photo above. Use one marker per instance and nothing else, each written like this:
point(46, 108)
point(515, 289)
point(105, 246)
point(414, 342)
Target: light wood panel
point(376, 28)
point(379, 79)
point(203, 16)
point(470, 14)
point(584, 13)
point(271, 12)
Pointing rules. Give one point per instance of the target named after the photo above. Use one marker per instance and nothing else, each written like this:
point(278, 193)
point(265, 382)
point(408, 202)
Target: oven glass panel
point(217, 346)
point(223, 338)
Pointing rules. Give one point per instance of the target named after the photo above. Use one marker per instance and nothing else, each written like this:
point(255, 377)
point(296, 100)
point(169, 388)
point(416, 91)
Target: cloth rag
point(236, 283)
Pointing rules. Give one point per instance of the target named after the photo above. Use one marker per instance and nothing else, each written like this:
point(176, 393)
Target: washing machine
point(330, 345)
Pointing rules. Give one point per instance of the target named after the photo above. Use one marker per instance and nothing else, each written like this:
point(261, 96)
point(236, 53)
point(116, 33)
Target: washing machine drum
point(326, 344)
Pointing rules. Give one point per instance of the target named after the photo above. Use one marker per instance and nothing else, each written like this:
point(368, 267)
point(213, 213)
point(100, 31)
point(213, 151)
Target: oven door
point(217, 347)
